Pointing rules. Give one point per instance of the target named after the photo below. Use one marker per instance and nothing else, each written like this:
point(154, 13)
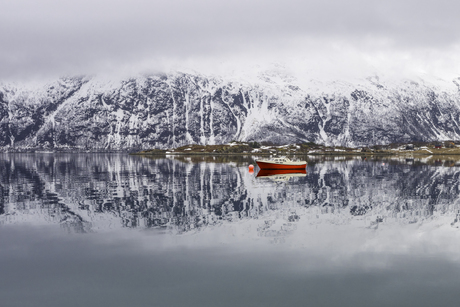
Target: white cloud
point(54, 37)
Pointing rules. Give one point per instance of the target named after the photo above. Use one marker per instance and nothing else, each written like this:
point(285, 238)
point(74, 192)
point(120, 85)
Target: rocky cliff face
point(169, 110)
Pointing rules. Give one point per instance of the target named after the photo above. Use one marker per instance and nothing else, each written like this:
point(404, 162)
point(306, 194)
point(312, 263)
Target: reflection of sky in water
point(44, 267)
point(168, 232)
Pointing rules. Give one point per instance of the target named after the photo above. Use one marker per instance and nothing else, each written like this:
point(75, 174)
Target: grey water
point(119, 230)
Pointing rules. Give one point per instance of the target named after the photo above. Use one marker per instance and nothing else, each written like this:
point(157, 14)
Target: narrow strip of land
point(255, 148)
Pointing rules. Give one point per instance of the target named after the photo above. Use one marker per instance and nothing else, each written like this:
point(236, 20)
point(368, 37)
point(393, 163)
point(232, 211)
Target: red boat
point(281, 164)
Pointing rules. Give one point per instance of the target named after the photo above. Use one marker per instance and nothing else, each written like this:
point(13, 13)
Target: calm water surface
point(117, 230)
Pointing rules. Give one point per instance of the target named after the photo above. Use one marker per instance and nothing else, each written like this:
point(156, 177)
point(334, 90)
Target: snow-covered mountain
point(169, 110)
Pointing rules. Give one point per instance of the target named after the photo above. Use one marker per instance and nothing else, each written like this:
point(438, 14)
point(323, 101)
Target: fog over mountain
point(52, 38)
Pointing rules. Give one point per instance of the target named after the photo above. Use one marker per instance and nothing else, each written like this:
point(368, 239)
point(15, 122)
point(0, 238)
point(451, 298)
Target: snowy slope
point(169, 110)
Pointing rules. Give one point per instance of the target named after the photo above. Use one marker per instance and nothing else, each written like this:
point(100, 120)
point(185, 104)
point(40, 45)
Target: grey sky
point(54, 37)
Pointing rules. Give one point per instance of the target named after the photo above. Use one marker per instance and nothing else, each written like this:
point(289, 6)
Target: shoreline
point(408, 155)
point(191, 153)
point(236, 148)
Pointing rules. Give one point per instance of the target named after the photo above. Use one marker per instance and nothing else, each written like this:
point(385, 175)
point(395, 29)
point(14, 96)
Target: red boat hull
point(275, 166)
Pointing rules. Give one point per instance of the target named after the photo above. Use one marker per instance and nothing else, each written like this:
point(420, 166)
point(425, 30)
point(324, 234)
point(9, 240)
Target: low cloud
point(76, 37)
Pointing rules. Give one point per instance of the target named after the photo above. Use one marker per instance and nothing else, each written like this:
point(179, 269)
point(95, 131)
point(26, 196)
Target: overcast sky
point(60, 37)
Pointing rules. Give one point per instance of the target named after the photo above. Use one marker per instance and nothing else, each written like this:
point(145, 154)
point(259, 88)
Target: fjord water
point(119, 230)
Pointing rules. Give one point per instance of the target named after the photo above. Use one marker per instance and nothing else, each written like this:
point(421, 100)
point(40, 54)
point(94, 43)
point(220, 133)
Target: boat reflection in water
point(281, 174)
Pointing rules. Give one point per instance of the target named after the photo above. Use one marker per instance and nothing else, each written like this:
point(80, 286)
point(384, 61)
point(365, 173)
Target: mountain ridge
point(170, 110)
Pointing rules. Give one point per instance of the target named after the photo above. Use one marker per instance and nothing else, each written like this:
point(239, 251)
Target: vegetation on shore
point(310, 148)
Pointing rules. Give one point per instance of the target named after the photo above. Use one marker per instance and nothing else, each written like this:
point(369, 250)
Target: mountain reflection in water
point(90, 192)
point(203, 231)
